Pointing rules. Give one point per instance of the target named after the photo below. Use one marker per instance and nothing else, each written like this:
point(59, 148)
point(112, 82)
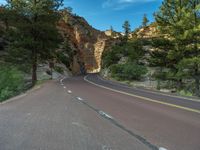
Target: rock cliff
point(88, 43)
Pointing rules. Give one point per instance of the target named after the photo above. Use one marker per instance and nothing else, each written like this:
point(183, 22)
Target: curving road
point(163, 120)
point(90, 113)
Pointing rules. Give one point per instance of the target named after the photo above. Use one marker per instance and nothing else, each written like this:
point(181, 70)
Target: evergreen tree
point(35, 36)
point(127, 29)
point(112, 31)
point(145, 21)
point(180, 20)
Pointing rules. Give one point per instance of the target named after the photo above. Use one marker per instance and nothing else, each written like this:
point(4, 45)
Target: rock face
point(150, 31)
point(88, 43)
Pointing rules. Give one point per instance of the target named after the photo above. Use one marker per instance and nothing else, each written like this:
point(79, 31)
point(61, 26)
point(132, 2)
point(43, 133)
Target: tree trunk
point(6, 24)
point(197, 91)
point(34, 52)
point(197, 82)
point(34, 67)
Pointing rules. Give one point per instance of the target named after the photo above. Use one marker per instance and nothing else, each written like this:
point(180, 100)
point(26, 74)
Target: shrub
point(11, 82)
point(129, 71)
point(132, 50)
point(59, 69)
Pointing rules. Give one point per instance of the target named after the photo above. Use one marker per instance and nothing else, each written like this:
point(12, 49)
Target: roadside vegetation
point(125, 61)
point(28, 38)
point(11, 82)
point(175, 52)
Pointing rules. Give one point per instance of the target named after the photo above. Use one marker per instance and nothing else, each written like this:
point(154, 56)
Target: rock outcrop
point(88, 43)
point(150, 31)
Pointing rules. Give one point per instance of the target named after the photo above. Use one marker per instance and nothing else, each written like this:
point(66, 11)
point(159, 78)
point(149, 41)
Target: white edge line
point(188, 99)
point(144, 98)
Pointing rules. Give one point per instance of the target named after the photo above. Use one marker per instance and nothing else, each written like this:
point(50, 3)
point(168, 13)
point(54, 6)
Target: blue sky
point(101, 14)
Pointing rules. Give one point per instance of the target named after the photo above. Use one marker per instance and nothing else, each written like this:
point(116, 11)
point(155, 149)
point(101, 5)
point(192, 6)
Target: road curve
point(174, 123)
point(52, 118)
point(154, 96)
point(74, 114)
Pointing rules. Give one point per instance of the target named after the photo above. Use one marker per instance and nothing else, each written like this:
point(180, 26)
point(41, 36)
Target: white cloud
point(121, 4)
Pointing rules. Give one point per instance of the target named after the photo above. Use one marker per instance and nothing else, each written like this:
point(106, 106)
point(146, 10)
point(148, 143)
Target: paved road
point(188, 103)
point(50, 118)
point(95, 118)
point(164, 121)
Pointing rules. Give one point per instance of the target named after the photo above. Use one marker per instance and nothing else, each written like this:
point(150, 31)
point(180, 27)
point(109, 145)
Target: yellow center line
point(144, 98)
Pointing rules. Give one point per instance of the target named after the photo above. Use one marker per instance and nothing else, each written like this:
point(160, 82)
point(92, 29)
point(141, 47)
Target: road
point(89, 113)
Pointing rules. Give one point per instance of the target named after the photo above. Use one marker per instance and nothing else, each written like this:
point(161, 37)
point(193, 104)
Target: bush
point(11, 82)
point(132, 50)
point(59, 69)
point(129, 71)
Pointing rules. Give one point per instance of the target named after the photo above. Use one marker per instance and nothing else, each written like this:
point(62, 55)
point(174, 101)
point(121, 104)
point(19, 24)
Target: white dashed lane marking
point(79, 98)
point(69, 91)
point(105, 114)
point(162, 148)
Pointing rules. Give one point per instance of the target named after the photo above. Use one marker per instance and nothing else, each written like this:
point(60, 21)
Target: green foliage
point(132, 50)
point(189, 68)
point(65, 55)
point(129, 71)
point(185, 93)
point(180, 20)
point(159, 57)
point(11, 82)
point(110, 57)
point(34, 35)
point(127, 29)
point(59, 69)
point(145, 21)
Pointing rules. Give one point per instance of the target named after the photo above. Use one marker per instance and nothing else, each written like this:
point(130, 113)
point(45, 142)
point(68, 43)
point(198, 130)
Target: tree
point(145, 20)
point(127, 29)
point(69, 9)
point(180, 20)
point(35, 33)
point(112, 31)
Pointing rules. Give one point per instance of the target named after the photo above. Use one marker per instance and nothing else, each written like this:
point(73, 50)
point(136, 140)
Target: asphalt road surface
point(93, 114)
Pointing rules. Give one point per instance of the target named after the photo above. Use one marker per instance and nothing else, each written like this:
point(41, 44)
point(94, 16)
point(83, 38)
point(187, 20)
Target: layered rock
point(150, 31)
point(88, 43)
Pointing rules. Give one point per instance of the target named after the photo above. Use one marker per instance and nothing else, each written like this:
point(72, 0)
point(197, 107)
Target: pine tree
point(112, 31)
point(180, 20)
point(35, 36)
point(145, 21)
point(127, 29)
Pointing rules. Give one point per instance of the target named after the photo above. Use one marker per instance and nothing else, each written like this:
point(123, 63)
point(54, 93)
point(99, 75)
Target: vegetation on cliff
point(124, 60)
point(170, 46)
point(180, 52)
